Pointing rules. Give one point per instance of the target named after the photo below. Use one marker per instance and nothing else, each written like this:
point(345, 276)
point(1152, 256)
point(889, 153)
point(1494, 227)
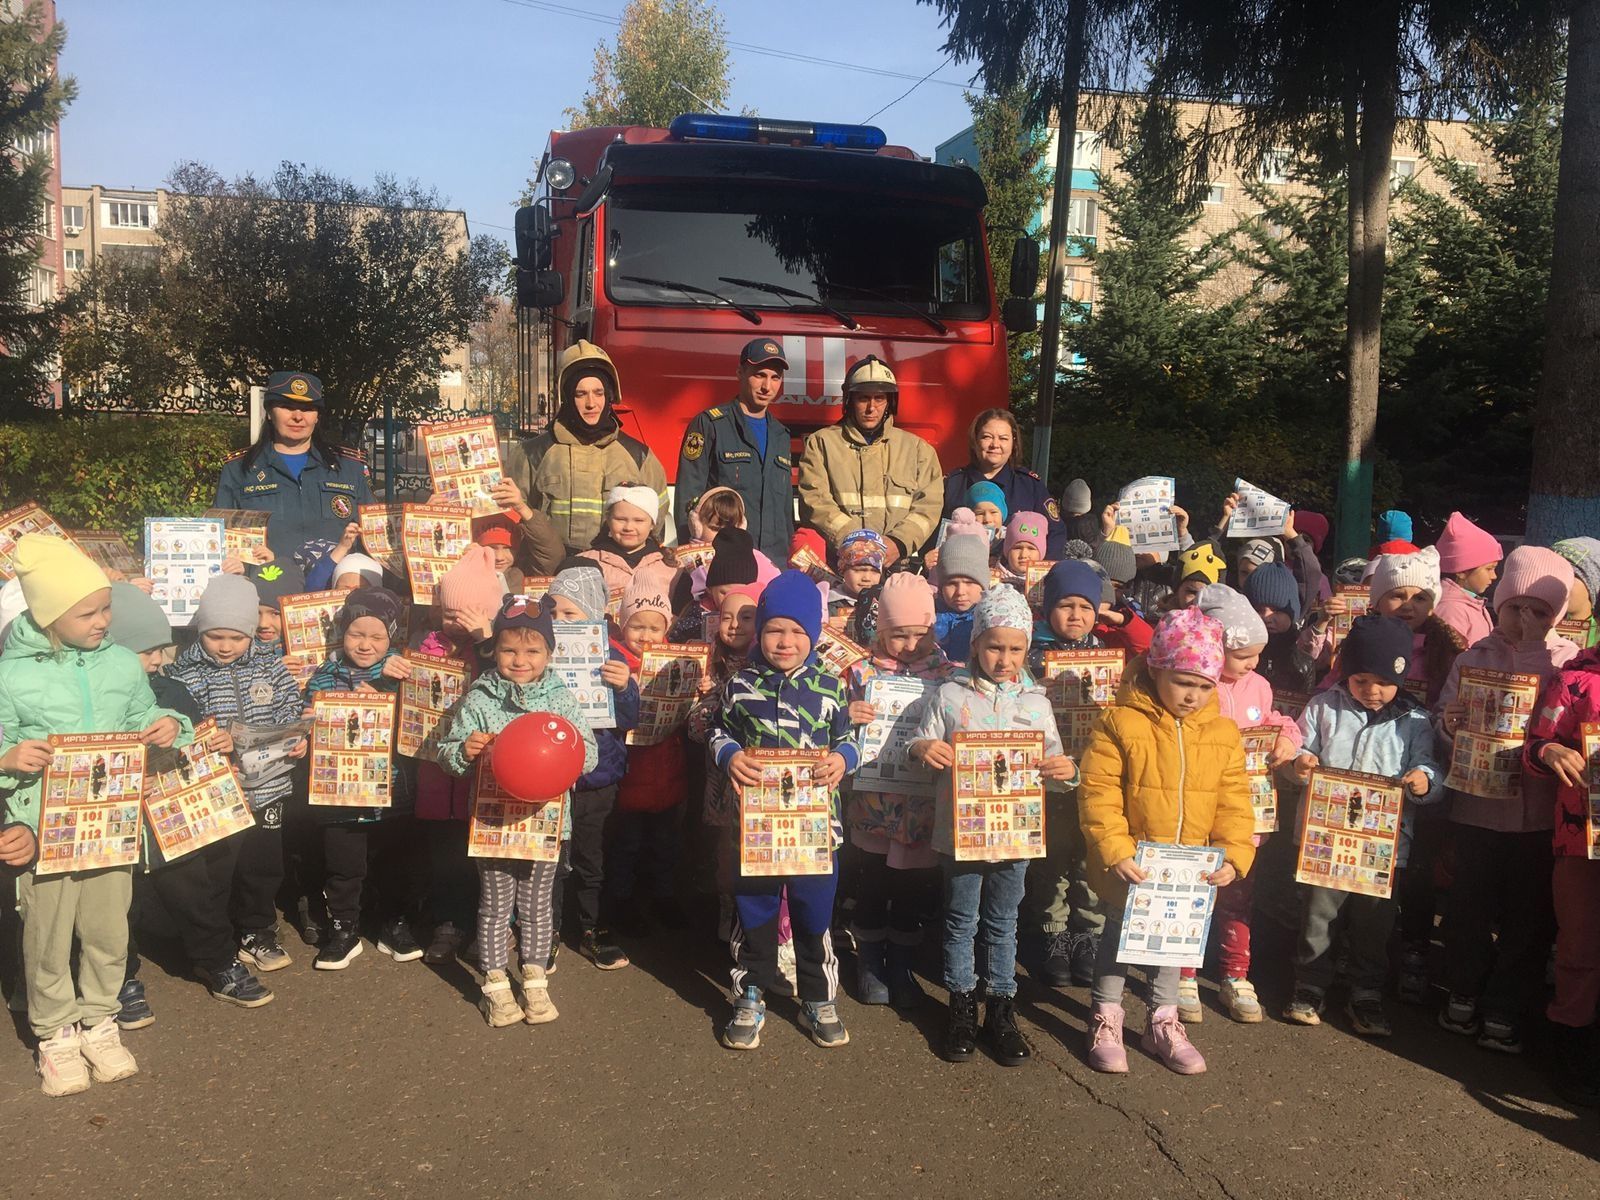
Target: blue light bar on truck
point(710, 127)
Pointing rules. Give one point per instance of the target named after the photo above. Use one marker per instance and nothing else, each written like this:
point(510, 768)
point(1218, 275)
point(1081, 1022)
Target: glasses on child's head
point(521, 606)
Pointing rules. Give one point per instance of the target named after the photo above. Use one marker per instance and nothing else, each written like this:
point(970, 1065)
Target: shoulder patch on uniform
point(714, 413)
point(236, 455)
point(694, 446)
point(350, 452)
point(1025, 471)
point(1051, 508)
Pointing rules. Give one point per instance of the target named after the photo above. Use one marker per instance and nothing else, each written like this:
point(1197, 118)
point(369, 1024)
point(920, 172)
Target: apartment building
point(1227, 201)
point(100, 222)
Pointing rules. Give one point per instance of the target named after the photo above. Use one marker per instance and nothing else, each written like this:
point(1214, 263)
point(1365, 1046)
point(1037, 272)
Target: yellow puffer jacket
point(566, 479)
point(1146, 777)
point(892, 484)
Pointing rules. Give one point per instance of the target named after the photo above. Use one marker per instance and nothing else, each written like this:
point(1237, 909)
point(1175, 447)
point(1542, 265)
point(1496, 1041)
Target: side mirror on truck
point(1020, 314)
point(537, 285)
point(1024, 268)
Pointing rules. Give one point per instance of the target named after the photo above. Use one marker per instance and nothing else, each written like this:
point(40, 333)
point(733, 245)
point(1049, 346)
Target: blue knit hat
point(1377, 645)
point(984, 492)
point(1274, 586)
point(793, 594)
point(1394, 526)
point(1071, 577)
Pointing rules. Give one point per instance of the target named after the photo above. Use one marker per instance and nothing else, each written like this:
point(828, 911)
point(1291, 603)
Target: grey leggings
point(506, 885)
point(1110, 976)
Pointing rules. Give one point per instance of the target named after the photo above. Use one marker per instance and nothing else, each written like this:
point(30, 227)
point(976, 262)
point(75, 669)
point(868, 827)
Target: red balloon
point(538, 756)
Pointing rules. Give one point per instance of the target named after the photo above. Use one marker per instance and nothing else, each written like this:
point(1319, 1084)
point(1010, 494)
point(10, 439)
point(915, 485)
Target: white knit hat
point(1419, 570)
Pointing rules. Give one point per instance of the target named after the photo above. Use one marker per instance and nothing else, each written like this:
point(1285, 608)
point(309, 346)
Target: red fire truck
point(672, 248)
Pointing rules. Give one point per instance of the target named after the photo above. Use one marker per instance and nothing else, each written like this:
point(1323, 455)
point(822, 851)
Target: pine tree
point(32, 99)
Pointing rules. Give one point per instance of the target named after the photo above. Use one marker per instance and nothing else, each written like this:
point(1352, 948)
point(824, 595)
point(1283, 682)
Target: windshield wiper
point(743, 310)
point(775, 289)
point(937, 324)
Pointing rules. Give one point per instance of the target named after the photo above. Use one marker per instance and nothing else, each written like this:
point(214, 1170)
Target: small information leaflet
point(1486, 757)
point(352, 736)
point(1260, 513)
point(309, 622)
point(813, 564)
point(1144, 509)
point(838, 653)
point(90, 800)
point(1573, 631)
point(180, 557)
point(999, 796)
point(897, 700)
point(434, 537)
point(1290, 704)
point(464, 461)
point(1258, 744)
point(690, 557)
point(1591, 755)
point(1357, 601)
point(26, 518)
point(1349, 832)
point(504, 827)
point(1082, 682)
point(669, 680)
point(244, 532)
point(427, 695)
point(989, 531)
point(1167, 918)
point(383, 535)
point(786, 822)
point(1033, 585)
point(582, 648)
point(193, 796)
point(108, 550)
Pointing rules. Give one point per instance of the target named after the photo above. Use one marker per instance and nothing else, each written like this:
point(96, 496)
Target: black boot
point(961, 1034)
point(1577, 1078)
point(1000, 1032)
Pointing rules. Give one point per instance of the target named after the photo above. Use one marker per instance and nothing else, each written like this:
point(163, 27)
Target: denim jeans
point(980, 904)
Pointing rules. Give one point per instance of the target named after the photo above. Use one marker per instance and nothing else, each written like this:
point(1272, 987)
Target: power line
point(749, 48)
point(905, 93)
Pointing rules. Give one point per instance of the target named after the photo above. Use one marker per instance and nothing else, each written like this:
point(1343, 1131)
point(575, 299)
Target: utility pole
point(1060, 200)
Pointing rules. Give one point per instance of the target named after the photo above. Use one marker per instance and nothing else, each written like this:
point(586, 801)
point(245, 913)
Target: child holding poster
point(894, 830)
point(627, 540)
point(992, 695)
point(382, 839)
point(519, 683)
point(784, 700)
point(1501, 880)
point(579, 594)
point(1163, 765)
point(232, 678)
point(1366, 723)
point(59, 674)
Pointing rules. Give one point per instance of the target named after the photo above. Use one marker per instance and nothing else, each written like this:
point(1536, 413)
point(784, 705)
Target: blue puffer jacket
point(1346, 736)
point(953, 632)
point(255, 688)
point(612, 743)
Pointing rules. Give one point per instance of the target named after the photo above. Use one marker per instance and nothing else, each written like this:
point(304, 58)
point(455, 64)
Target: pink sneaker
point(1106, 1052)
point(1167, 1040)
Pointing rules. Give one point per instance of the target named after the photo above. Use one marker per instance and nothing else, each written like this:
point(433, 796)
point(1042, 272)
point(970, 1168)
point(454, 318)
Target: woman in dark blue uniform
point(310, 486)
point(996, 444)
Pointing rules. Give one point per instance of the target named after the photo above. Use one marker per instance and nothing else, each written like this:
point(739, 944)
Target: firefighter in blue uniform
point(309, 486)
point(741, 445)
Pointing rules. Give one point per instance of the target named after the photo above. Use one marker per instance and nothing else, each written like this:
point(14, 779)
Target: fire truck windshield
point(862, 254)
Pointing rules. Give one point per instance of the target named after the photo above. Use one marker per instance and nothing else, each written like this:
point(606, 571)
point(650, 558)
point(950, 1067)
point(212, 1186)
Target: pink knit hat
point(472, 582)
point(647, 592)
point(905, 600)
point(1538, 573)
point(1463, 546)
point(1187, 640)
point(1027, 528)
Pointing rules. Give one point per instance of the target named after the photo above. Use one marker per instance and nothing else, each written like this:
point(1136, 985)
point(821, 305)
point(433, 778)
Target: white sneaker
point(536, 1000)
point(62, 1071)
point(1189, 1010)
point(1239, 1000)
point(109, 1060)
point(499, 1009)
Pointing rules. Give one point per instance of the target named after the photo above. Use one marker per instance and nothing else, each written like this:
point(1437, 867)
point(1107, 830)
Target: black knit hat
point(277, 580)
point(735, 559)
point(373, 602)
point(1378, 646)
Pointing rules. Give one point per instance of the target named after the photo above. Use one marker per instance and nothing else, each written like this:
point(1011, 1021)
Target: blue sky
point(457, 94)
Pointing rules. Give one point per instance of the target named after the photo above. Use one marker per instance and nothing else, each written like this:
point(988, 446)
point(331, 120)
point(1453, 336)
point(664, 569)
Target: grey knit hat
point(1118, 561)
point(1241, 625)
point(1584, 555)
point(964, 556)
point(586, 587)
point(229, 602)
point(137, 621)
point(1076, 499)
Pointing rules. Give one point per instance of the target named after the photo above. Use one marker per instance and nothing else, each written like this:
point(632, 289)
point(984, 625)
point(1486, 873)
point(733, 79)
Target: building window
point(73, 259)
point(1400, 170)
point(72, 218)
point(41, 287)
point(1275, 167)
point(47, 220)
point(450, 376)
point(1086, 150)
point(128, 214)
point(30, 144)
point(1214, 193)
point(1082, 217)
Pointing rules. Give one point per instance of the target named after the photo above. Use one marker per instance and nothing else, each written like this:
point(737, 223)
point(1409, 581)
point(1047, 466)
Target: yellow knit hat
point(54, 575)
point(1120, 534)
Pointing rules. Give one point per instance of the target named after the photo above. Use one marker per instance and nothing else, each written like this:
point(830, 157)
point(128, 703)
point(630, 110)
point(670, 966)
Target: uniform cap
point(294, 387)
point(761, 352)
